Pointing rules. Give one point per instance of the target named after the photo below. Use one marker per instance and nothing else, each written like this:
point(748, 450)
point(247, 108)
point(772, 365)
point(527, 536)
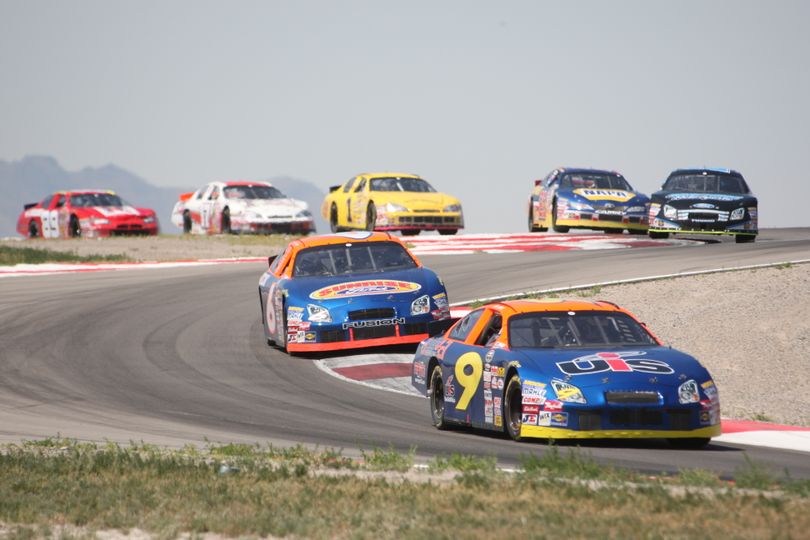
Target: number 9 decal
point(468, 381)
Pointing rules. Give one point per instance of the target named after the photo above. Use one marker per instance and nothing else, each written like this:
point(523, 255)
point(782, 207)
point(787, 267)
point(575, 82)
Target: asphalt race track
point(175, 356)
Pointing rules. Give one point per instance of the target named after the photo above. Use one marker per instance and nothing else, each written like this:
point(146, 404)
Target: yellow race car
point(391, 202)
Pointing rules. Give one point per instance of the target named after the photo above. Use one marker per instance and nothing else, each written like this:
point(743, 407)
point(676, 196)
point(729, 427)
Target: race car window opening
point(491, 331)
point(360, 186)
point(337, 260)
point(557, 330)
point(95, 199)
point(349, 185)
point(46, 202)
point(707, 183)
point(214, 194)
point(252, 192)
point(401, 184)
point(60, 202)
point(594, 181)
point(463, 328)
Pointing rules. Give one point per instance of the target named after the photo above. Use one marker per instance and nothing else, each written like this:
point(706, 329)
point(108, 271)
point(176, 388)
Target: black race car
point(704, 201)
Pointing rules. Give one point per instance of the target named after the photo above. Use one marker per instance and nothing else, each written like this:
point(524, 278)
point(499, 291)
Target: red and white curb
point(392, 373)
point(465, 244)
point(59, 268)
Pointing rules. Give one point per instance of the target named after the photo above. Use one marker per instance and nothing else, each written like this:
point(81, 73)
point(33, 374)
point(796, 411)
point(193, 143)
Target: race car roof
point(705, 170)
point(84, 191)
point(511, 307)
point(230, 183)
point(345, 237)
point(580, 170)
point(389, 175)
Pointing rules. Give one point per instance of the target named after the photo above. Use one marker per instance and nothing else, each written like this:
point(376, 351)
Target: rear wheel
point(436, 396)
point(226, 222)
point(692, 443)
point(744, 238)
point(333, 219)
point(371, 217)
point(614, 231)
point(557, 228)
point(637, 231)
point(33, 230)
point(186, 223)
point(74, 229)
point(513, 408)
point(410, 232)
point(658, 235)
point(447, 232)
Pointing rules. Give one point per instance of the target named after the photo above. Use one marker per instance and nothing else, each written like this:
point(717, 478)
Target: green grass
point(13, 255)
point(62, 488)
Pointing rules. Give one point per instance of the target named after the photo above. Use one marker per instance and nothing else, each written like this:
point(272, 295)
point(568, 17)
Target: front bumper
point(128, 228)
point(334, 337)
point(291, 226)
point(419, 220)
point(591, 220)
point(662, 225)
point(541, 432)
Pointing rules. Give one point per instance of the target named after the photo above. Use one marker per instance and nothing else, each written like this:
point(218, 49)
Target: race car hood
point(717, 201)
point(619, 197)
point(267, 207)
point(112, 212)
point(628, 368)
point(434, 202)
point(363, 291)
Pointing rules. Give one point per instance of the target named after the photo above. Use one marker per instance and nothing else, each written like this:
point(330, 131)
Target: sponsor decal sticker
point(559, 419)
point(529, 419)
point(532, 400)
point(544, 419)
point(552, 405)
point(419, 369)
point(605, 194)
point(364, 288)
point(531, 409)
point(449, 391)
point(617, 362)
point(373, 323)
point(490, 355)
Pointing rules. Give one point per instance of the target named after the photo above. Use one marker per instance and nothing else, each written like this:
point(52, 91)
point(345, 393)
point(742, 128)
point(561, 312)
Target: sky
point(479, 97)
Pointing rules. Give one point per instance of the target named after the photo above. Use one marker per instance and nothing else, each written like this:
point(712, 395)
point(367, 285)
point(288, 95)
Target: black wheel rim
point(437, 398)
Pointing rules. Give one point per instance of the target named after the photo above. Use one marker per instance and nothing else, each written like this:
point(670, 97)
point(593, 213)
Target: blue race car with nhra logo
point(553, 369)
point(347, 291)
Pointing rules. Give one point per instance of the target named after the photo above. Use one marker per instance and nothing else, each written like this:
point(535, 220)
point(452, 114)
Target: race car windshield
point(252, 192)
point(337, 260)
point(563, 330)
point(706, 183)
point(401, 184)
point(95, 199)
point(594, 181)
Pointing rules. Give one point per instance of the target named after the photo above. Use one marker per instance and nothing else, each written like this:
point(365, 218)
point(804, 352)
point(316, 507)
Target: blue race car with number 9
point(565, 370)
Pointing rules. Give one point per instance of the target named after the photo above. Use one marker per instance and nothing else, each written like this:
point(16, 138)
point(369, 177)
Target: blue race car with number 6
point(565, 370)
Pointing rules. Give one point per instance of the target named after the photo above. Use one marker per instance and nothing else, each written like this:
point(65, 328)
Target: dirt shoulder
point(164, 247)
point(750, 328)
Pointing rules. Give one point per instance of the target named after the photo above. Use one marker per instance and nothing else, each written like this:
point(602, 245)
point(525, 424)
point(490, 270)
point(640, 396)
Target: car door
point(462, 369)
point(53, 220)
point(359, 203)
point(344, 203)
point(206, 208)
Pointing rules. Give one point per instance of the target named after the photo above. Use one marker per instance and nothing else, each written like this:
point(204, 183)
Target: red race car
point(88, 213)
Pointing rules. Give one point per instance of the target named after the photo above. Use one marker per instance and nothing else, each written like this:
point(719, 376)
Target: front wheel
point(186, 222)
point(447, 232)
point(410, 232)
point(225, 224)
point(371, 217)
point(692, 443)
point(33, 230)
point(74, 229)
point(333, 219)
point(557, 228)
point(513, 408)
point(658, 235)
point(744, 238)
point(637, 231)
point(436, 395)
point(532, 226)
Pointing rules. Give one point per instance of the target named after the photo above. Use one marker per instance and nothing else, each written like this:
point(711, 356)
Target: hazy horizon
point(480, 98)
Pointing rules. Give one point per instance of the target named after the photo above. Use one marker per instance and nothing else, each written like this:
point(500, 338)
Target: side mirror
point(270, 260)
point(333, 188)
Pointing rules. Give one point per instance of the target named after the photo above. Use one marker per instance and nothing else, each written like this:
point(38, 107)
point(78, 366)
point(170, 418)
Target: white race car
point(241, 207)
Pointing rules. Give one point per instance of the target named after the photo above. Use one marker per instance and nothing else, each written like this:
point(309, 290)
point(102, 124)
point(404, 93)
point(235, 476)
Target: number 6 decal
point(468, 381)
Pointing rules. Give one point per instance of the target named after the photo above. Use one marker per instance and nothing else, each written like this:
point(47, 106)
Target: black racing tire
point(33, 230)
point(225, 222)
point(371, 217)
point(447, 232)
point(281, 343)
point(436, 399)
point(691, 443)
point(532, 228)
point(74, 230)
point(658, 235)
point(557, 228)
point(637, 232)
point(513, 408)
point(186, 222)
point(614, 231)
point(744, 238)
point(410, 232)
point(333, 219)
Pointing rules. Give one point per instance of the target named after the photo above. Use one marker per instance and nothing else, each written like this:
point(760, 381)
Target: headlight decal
point(566, 392)
point(316, 313)
point(421, 305)
point(688, 392)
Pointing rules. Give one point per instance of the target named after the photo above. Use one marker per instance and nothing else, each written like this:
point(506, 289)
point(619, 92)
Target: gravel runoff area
point(163, 247)
point(750, 328)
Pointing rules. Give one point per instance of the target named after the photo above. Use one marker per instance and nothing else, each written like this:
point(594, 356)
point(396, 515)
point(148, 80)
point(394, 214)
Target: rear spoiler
point(29, 205)
point(333, 188)
point(186, 196)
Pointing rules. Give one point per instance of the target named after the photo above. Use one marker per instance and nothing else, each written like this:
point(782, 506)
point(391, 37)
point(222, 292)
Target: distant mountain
point(31, 178)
